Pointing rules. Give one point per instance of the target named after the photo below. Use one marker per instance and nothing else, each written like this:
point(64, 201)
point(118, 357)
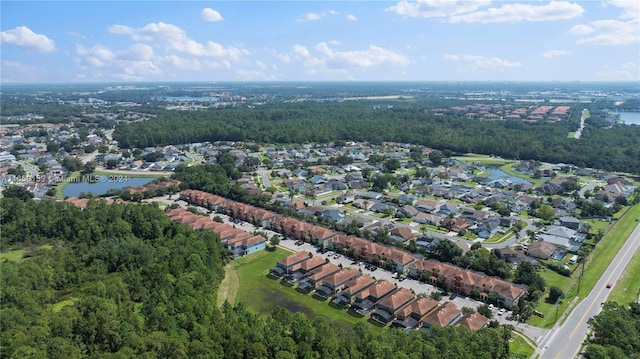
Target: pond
point(100, 184)
point(497, 174)
point(629, 118)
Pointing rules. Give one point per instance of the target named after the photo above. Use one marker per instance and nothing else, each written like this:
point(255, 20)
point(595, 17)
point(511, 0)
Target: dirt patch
point(228, 288)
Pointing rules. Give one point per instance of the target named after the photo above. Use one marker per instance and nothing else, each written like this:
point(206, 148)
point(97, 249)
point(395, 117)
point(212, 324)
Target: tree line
point(614, 148)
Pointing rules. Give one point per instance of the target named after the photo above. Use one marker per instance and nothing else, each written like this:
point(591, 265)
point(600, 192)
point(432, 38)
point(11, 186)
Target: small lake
point(497, 174)
point(629, 118)
point(102, 184)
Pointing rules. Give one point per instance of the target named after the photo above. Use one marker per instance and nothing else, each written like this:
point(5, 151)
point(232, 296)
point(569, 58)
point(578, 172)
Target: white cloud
point(301, 50)
point(621, 31)
point(436, 8)
point(553, 11)
point(209, 14)
point(373, 56)
point(176, 41)
point(455, 11)
point(352, 17)
point(630, 9)
point(310, 17)
point(555, 53)
point(480, 61)
point(316, 16)
point(608, 32)
point(97, 56)
point(23, 37)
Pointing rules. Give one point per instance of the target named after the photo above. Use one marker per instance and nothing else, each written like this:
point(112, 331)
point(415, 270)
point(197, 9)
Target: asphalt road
point(565, 341)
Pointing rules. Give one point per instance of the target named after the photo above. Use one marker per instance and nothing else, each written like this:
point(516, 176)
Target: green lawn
point(481, 159)
point(61, 185)
point(64, 303)
point(627, 288)
point(519, 348)
point(261, 294)
point(13, 256)
point(137, 175)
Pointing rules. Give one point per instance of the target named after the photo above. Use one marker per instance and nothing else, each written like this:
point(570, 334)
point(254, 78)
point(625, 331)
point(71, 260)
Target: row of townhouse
point(237, 241)
point(458, 279)
point(363, 295)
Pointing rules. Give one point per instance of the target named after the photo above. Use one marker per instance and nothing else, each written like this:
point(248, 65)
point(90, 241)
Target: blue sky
point(426, 40)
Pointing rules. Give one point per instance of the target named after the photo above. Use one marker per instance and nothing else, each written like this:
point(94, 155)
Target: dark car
point(609, 285)
point(453, 296)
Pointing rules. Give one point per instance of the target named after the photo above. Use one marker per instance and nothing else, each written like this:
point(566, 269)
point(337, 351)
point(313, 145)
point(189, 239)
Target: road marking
point(601, 289)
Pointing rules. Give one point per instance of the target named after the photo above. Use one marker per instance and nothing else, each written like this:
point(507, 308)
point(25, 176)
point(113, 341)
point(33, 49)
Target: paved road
point(565, 341)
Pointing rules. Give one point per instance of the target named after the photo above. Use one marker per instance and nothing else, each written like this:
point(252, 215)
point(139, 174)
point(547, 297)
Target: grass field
point(627, 288)
point(13, 256)
point(261, 294)
point(519, 348)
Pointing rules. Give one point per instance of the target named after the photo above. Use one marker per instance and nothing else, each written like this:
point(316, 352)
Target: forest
point(616, 332)
point(122, 281)
point(602, 146)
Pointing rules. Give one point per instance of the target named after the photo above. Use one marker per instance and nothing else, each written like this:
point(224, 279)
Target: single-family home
point(334, 283)
point(388, 307)
point(409, 317)
point(445, 315)
point(473, 321)
point(366, 299)
point(351, 288)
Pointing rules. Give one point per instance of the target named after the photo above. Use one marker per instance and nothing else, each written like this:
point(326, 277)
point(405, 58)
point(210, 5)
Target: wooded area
point(616, 332)
point(122, 281)
point(614, 148)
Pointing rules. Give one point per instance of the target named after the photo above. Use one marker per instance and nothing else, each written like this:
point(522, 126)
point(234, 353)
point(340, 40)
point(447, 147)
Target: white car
point(502, 311)
point(491, 306)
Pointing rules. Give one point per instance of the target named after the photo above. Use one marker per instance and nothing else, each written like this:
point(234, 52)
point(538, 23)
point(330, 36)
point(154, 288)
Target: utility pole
point(580, 278)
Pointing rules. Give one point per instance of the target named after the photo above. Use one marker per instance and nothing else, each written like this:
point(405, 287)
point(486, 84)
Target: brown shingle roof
point(473, 321)
point(443, 315)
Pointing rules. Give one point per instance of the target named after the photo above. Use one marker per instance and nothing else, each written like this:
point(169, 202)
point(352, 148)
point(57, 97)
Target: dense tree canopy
point(614, 148)
point(122, 281)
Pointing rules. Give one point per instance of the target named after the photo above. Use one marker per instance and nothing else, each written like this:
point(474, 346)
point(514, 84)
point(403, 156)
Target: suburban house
point(303, 270)
point(366, 299)
point(289, 264)
point(401, 234)
point(351, 288)
point(563, 237)
point(570, 222)
point(334, 283)
point(444, 315)
point(388, 307)
point(474, 321)
point(541, 250)
point(243, 246)
point(315, 277)
point(409, 317)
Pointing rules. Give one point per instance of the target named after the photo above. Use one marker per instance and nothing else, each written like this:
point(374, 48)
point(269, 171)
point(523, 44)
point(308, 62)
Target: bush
point(559, 268)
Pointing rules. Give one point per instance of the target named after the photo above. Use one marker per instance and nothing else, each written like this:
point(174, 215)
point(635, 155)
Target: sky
point(424, 40)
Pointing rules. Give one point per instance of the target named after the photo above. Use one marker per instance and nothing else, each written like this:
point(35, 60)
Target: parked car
point(502, 311)
point(453, 296)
